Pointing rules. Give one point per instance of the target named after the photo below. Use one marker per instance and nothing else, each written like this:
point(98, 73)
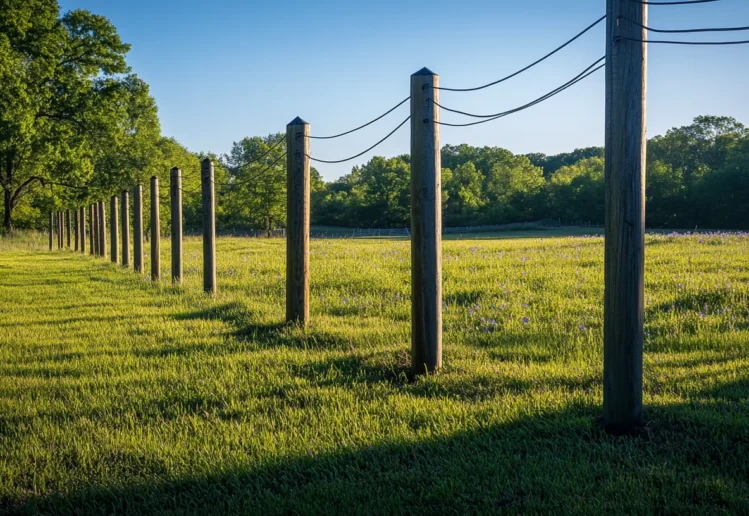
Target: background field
point(117, 395)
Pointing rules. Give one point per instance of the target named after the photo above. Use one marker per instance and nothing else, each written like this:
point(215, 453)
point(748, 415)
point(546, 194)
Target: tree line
point(76, 125)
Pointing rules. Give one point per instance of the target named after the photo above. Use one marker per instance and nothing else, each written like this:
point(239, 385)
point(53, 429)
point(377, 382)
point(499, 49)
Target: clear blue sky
point(227, 69)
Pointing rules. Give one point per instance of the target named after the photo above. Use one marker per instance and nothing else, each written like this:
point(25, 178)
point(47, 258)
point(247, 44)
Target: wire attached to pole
point(682, 2)
point(399, 104)
point(684, 31)
point(488, 118)
point(363, 152)
point(599, 20)
point(695, 43)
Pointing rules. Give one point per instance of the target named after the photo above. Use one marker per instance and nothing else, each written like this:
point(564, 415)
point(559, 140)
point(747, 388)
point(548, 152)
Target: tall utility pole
point(113, 230)
point(102, 229)
point(125, 228)
point(208, 195)
point(138, 228)
point(175, 203)
point(82, 218)
point(297, 221)
point(51, 228)
point(155, 231)
point(93, 230)
point(426, 224)
point(624, 269)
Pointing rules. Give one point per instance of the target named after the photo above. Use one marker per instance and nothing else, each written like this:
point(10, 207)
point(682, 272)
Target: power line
point(684, 31)
point(363, 152)
point(399, 104)
point(488, 118)
point(599, 20)
point(667, 42)
point(684, 2)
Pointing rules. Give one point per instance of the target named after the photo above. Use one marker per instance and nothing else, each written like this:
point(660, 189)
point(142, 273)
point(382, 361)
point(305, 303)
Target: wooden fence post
point(102, 230)
point(68, 226)
point(175, 200)
point(624, 262)
point(209, 226)
point(113, 229)
point(95, 222)
point(94, 229)
point(59, 230)
point(51, 228)
point(77, 233)
point(426, 224)
point(125, 222)
point(297, 221)
point(82, 218)
point(138, 228)
point(155, 230)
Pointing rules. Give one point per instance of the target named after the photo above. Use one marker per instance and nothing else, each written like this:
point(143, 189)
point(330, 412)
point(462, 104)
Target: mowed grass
point(122, 396)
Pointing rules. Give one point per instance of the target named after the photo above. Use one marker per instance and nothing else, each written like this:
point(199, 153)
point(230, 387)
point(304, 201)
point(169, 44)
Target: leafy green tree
point(255, 195)
point(551, 164)
point(576, 192)
point(465, 188)
point(695, 151)
point(665, 194)
point(725, 192)
point(383, 192)
point(513, 189)
point(71, 114)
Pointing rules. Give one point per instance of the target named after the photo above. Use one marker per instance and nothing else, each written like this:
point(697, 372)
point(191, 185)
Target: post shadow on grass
point(549, 462)
point(246, 330)
point(696, 301)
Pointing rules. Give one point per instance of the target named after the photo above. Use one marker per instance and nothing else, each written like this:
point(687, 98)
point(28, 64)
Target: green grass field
point(121, 396)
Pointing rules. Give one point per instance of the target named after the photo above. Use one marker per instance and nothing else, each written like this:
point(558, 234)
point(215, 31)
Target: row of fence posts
point(625, 222)
point(119, 228)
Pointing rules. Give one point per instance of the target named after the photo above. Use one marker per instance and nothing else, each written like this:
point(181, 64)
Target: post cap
point(297, 121)
point(425, 71)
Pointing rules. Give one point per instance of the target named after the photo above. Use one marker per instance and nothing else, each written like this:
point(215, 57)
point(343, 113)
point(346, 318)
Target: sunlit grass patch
point(121, 395)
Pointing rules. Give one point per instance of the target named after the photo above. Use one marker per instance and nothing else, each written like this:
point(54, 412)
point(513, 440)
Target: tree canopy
point(76, 125)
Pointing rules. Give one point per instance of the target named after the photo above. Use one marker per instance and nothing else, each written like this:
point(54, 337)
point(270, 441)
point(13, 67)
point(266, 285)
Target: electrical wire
point(590, 70)
point(684, 31)
point(599, 20)
point(683, 2)
point(399, 104)
point(667, 42)
point(363, 152)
